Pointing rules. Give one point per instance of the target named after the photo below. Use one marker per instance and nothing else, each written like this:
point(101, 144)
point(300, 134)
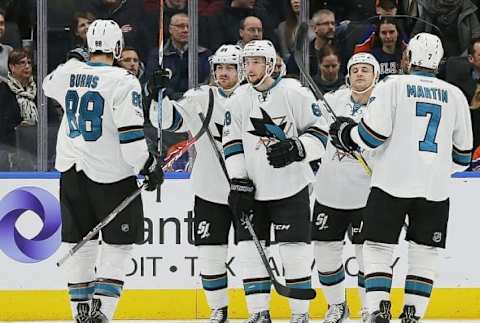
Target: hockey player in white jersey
point(342, 189)
point(273, 128)
point(212, 216)
point(100, 150)
point(419, 127)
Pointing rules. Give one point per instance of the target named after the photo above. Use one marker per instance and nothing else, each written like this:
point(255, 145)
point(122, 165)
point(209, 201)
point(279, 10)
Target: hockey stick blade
point(297, 293)
point(133, 195)
point(194, 139)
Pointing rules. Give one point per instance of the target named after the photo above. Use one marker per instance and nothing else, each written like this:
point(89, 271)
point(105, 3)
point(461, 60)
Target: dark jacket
point(178, 63)
point(459, 73)
point(467, 25)
point(9, 115)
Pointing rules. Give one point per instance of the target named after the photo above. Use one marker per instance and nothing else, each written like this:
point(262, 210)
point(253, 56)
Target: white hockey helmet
point(105, 36)
point(261, 48)
point(227, 54)
point(363, 58)
point(425, 50)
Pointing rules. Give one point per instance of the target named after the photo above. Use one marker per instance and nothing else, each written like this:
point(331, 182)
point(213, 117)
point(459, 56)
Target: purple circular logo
point(47, 241)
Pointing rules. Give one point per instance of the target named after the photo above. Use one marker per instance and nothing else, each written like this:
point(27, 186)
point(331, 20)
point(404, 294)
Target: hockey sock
point(213, 272)
point(256, 281)
point(361, 273)
point(422, 261)
point(377, 258)
point(297, 259)
point(110, 277)
point(331, 273)
point(80, 274)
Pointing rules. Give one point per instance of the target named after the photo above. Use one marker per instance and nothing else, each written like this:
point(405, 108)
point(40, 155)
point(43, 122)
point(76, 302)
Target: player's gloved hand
point(79, 53)
point(285, 152)
point(159, 80)
point(340, 134)
point(242, 196)
point(153, 173)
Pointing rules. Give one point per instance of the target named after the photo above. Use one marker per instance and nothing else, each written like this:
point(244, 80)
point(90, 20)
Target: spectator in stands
point(464, 72)
point(409, 8)
point(324, 27)
point(287, 29)
point(388, 46)
point(175, 58)
point(456, 20)
point(251, 28)
point(80, 22)
point(129, 15)
point(329, 77)
point(4, 49)
point(280, 69)
point(18, 98)
point(223, 28)
point(130, 61)
point(386, 7)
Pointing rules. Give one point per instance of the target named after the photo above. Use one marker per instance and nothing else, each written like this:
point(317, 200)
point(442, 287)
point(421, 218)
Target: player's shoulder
point(293, 87)
point(199, 92)
point(342, 91)
point(239, 93)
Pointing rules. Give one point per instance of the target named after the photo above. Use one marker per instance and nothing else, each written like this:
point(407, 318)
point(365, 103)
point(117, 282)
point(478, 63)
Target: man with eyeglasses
point(175, 57)
point(251, 28)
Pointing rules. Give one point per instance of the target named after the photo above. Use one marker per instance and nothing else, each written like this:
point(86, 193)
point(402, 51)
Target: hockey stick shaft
point(132, 196)
point(297, 293)
point(160, 93)
point(301, 33)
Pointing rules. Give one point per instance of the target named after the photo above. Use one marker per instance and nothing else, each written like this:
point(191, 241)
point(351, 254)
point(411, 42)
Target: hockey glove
point(340, 134)
point(242, 196)
point(79, 53)
point(152, 170)
point(159, 80)
point(285, 152)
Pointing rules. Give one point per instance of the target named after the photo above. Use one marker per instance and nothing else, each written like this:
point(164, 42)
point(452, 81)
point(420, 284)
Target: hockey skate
point(299, 318)
point(408, 315)
point(96, 316)
point(383, 314)
point(83, 314)
point(336, 313)
point(260, 317)
point(219, 315)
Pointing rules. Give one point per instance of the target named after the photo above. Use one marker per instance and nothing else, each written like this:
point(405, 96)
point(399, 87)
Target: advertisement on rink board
point(30, 245)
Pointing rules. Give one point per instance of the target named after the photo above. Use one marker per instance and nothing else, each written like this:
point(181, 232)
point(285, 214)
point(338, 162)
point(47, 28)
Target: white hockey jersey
point(255, 120)
point(208, 179)
point(341, 182)
point(419, 125)
point(101, 131)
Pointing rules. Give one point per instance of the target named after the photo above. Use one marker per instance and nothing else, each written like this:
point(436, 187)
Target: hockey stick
point(133, 195)
point(160, 93)
point(297, 54)
point(297, 293)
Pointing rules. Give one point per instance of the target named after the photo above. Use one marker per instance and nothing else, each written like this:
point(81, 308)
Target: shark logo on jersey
point(268, 130)
point(203, 229)
point(219, 128)
point(356, 109)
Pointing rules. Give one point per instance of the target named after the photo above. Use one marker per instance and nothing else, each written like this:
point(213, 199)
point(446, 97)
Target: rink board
point(163, 280)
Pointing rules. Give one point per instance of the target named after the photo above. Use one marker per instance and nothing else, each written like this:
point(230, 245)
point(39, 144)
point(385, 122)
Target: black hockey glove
point(285, 152)
point(79, 53)
point(242, 196)
point(152, 170)
point(159, 80)
point(340, 134)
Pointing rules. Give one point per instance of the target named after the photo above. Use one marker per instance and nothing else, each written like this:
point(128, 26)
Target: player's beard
point(256, 81)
